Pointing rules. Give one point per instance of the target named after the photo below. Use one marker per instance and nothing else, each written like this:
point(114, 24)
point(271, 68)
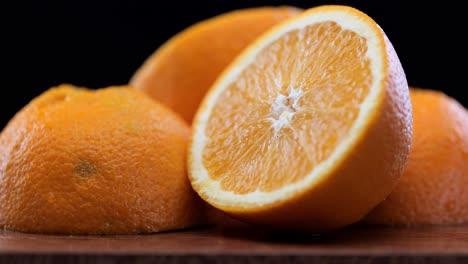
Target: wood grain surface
point(235, 242)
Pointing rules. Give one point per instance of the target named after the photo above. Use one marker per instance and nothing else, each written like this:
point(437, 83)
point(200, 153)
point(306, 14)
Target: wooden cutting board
point(236, 242)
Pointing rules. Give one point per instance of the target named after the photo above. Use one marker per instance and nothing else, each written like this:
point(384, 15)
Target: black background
point(101, 43)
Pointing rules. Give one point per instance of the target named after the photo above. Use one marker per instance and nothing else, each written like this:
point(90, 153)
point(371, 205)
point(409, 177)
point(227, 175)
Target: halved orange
point(309, 128)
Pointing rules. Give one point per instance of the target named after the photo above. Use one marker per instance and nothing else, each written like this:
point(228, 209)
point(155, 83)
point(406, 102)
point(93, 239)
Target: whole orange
point(180, 72)
point(432, 189)
point(111, 161)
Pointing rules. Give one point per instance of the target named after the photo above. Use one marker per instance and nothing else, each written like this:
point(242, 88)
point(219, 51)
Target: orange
point(309, 128)
point(180, 72)
point(111, 161)
point(432, 189)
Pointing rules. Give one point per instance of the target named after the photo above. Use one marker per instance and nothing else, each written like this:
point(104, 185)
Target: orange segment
point(294, 120)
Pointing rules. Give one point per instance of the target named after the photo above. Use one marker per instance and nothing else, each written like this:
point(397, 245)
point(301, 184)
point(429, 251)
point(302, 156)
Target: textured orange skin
point(180, 72)
point(433, 188)
point(106, 162)
point(364, 176)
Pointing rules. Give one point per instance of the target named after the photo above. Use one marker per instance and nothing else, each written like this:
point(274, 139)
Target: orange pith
point(275, 118)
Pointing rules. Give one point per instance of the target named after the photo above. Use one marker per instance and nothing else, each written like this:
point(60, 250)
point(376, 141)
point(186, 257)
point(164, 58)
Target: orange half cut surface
point(309, 128)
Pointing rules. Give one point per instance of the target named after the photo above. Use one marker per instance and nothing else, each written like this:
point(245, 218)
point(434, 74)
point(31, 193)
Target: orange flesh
point(287, 111)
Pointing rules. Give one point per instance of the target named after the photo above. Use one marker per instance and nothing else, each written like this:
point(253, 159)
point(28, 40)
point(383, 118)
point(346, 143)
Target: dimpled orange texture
point(111, 161)
point(180, 72)
point(433, 188)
